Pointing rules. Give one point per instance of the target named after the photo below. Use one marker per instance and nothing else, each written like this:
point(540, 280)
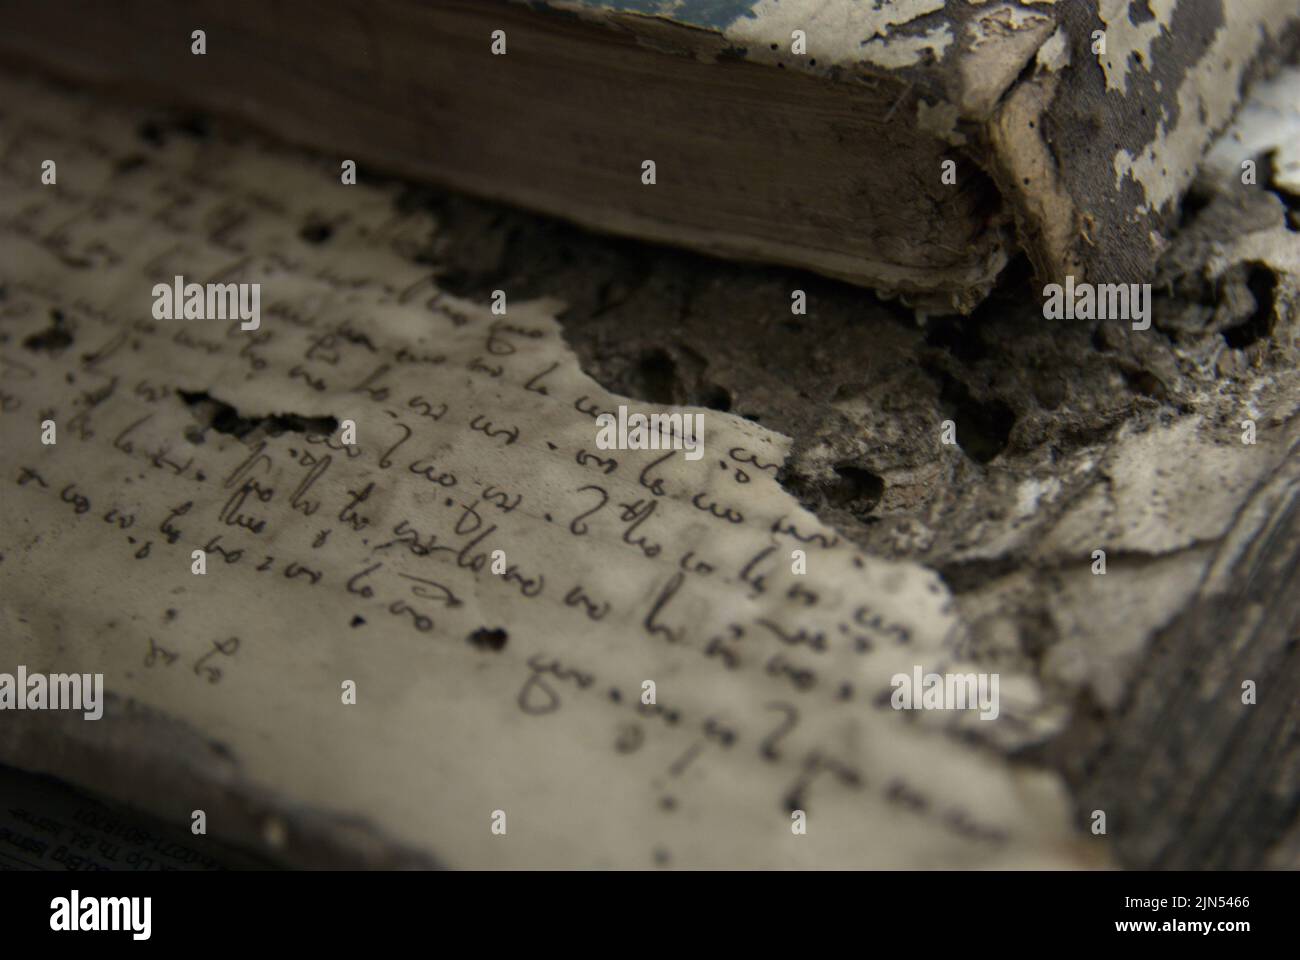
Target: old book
point(359, 577)
point(912, 146)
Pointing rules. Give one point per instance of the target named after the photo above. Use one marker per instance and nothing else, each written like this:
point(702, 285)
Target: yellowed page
point(477, 693)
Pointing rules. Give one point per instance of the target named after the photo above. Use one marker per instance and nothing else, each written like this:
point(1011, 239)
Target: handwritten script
point(497, 588)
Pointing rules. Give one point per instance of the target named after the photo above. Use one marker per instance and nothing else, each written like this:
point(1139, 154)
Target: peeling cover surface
point(1095, 158)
